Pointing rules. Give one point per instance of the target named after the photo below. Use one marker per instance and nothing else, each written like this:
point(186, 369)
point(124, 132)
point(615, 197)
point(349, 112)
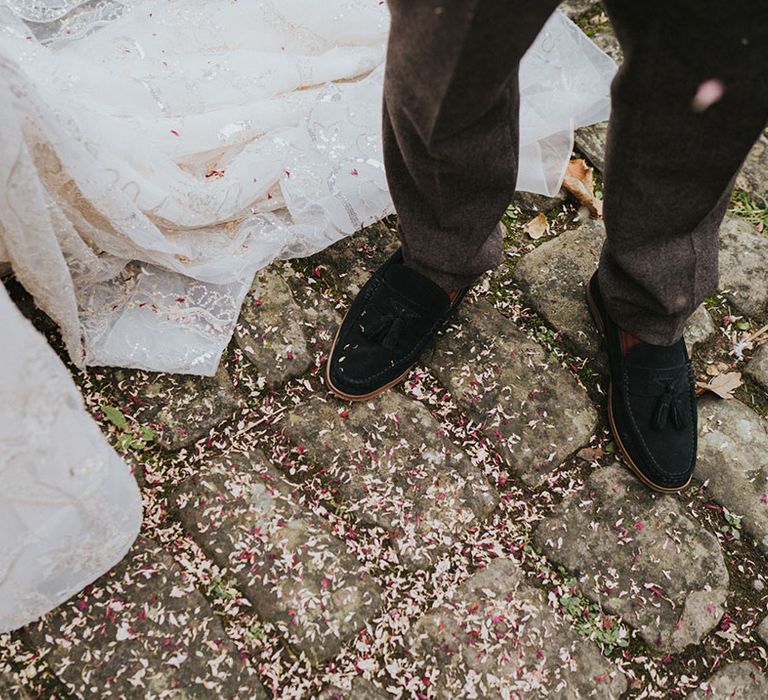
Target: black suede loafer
point(397, 312)
point(651, 403)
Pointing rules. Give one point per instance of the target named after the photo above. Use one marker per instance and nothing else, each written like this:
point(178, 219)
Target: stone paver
point(531, 407)
point(753, 177)
point(497, 637)
point(393, 468)
point(573, 9)
point(142, 631)
point(590, 140)
point(319, 318)
point(743, 255)
point(699, 328)
point(733, 461)
point(270, 331)
point(296, 574)
point(11, 689)
point(757, 367)
point(639, 555)
point(353, 260)
point(285, 326)
point(181, 408)
point(608, 42)
point(741, 681)
point(554, 278)
point(361, 690)
point(762, 630)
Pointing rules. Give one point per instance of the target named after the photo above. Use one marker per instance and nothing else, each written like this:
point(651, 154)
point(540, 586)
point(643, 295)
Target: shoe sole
point(638, 473)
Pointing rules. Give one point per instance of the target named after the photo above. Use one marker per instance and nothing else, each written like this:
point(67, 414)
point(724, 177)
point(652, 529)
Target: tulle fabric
point(155, 155)
point(69, 508)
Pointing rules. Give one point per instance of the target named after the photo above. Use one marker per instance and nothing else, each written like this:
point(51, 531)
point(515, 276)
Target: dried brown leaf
point(579, 182)
point(723, 384)
point(537, 227)
point(590, 454)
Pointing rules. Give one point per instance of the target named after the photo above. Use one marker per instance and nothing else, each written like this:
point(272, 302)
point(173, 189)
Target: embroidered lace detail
point(53, 21)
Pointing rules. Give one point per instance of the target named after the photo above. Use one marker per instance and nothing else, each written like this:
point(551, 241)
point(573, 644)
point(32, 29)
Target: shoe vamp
point(362, 359)
point(669, 448)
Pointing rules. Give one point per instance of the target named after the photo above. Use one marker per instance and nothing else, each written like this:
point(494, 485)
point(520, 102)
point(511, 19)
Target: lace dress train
point(69, 507)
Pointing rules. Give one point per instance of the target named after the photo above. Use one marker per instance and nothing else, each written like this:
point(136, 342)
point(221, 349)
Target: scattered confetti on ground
point(410, 548)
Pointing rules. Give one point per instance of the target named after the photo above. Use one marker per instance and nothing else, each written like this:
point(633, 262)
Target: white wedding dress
point(153, 157)
point(69, 507)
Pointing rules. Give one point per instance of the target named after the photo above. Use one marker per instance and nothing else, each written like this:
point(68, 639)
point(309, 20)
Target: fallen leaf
point(114, 416)
point(537, 227)
point(715, 369)
point(579, 182)
point(590, 454)
point(723, 384)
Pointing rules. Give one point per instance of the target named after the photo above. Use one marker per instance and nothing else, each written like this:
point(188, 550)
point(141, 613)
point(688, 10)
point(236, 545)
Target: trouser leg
point(670, 168)
point(451, 127)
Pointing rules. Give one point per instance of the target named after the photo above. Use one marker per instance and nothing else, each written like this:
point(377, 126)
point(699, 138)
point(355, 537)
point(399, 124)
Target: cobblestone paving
point(389, 461)
point(470, 534)
point(639, 555)
point(757, 368)
point(145, 630)
point(533, 410)
point(296, 574)
point(497, 635)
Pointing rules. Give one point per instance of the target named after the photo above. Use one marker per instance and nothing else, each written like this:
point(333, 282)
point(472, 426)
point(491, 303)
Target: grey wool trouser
point(451, 134)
